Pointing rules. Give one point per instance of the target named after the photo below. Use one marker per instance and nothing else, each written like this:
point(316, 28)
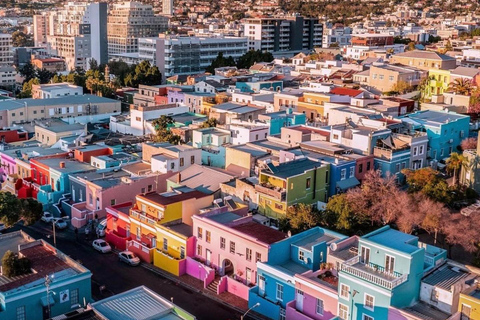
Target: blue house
point(445, 130)
point(385, 270)
point(277, 120)
point(391, 156)
point(295, 255)
point(258, 85)
point(213, 142)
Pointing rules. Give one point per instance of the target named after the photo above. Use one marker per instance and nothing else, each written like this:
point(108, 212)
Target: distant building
point(129, 21)
point(424, 60)
point(167, 7)
point(55, 90)
point(50, 64)
point(6, 53)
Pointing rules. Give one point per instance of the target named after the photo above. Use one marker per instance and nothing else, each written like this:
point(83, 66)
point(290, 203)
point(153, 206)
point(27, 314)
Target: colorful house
point(438, 82)
point(277, 120)
point(445, 130)
point(289, 183)
point(118, 225)
point(383, 269)
point(212, 141)
point(232, 244)
point(259, 85)
point(276, 282)
point(469, 304)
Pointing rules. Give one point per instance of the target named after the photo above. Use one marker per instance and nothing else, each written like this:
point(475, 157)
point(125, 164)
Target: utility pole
point(253, 307)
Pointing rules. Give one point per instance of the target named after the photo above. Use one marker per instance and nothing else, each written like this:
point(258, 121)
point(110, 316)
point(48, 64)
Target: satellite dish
point(289, 233)
point(333, 246)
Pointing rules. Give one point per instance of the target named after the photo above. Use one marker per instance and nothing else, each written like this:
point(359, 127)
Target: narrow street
point(118, 277)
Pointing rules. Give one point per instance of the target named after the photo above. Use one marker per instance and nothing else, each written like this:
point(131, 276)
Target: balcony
point(373, 273)
point(143, 217)
point(142, 251)
point(384, 153)
point(274, 192)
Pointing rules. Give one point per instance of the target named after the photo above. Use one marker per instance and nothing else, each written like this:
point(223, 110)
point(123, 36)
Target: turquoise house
point(259, 85)
point(27, 298)
point(445, 130)
point(213, 142)
point(277, 120)
point(385, 272)
point(295, 255)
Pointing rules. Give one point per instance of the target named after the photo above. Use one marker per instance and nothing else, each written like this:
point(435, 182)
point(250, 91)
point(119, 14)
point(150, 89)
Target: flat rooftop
point(66, 100)
point(445, 277)
point(71, 166)
point(165, 199)
point(394, 239)
point(262, 233)
point(311, 240)
point(292, 168)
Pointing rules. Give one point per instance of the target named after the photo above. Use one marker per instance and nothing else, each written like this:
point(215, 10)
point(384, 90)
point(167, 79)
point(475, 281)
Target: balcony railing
point(138, 215)
point(384, 153)
point(277, 194)
point(375, 275)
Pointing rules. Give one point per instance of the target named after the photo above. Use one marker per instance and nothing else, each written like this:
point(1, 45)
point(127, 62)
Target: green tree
point(302, 217)
point(27, 88)
point(219, 62)
point(10, 208)
point(20, 39)
point(44, 76)
point(461, 86)
point(13, 266)
point(209, 123)
point(252, 57)
point(28, 71)
point(31, 210)
point(163, 133)
point(454, 163)
point(341, 215)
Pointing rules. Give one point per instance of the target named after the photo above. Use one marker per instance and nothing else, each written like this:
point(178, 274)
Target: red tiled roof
point(263, 233)
point(346, 92)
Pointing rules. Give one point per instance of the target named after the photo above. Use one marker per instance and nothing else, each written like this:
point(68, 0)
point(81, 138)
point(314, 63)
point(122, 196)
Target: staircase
point(212, 287)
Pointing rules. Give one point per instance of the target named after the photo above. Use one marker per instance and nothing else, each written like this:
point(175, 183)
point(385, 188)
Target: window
point(369, 302)
point(343, 174)
point(301, 255)
point(112, 202)
point(335, 136)
point(282, 314)
point(143, 190)
point(380, 77)
point(182, 252)
point(344, 291)
point(389, 264)
point(172, 165)
point(74, 297)
point(165, 244)
point(360, 168)
point(21, 315)
point(352, 172)
point(232, 247)
point(208, 236)
point(199, 233)
point(248, 254)
point(150, 187)
point(466, 311)
point(319, 307)
point(441, 152)
point(420, 150)
point(397, 167)
point(308, 182)
point(415, 149)
point(222, 243)
point(181, 162)
point(434, 295)
point(279, 292)
point(368, 166)
point(199, 250)
point(192, 159)
point(342, 311)
point(139, 233)
point(258, 256)
point(278, 206)
point(365, 317)
point(390, 78)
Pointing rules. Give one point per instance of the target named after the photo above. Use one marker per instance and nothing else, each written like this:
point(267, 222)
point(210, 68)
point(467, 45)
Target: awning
point(347, 183)
point(44, 300)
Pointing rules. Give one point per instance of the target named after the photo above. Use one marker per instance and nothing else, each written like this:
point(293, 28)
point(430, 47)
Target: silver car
point(129, 258)
point(101, 246)
point(60, 224)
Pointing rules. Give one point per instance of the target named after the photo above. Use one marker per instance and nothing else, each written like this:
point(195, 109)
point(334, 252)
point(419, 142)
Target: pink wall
point(396, 314)
point(293, 314)
point(219, 255)
point(145, 254)
point(199, 271)
point(237, 288)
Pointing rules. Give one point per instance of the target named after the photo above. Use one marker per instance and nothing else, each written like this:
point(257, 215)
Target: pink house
point(316, 296)
point(232, 244)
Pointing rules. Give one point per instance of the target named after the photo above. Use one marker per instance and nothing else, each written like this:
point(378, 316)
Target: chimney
point(62, 164)
point(179, 177)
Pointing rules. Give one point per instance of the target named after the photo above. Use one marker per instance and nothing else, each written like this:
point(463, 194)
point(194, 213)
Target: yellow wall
point(474, 304)
point(239, 158)
point(272, 180)
point(166, 263)
point(174, 241)
point(268, 207)
point(172, 212)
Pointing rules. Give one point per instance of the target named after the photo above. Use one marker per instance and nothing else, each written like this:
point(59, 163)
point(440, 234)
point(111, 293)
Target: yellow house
point(174, 243)
point(437, 84)
point(312, 104)
point(469, 305)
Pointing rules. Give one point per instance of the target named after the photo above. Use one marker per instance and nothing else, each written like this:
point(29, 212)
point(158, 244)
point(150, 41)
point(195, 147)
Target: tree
point(44, 76)
point(20, 39)
point(341, 214)
point(209, 123)
point(463, 231)
point(469, 144)
point(12, 266)
point(402, 87)
point(28, 71)
point(144, 73)
point(410, 46)
point(302, 217)
point(461, 86)
point(31, 210)
point(454, 163)
point(252, 57)
point(27, 88)
point(434, 215)
point(418, 179)
point(93, 64)
point(219, 62)
point(163, 134)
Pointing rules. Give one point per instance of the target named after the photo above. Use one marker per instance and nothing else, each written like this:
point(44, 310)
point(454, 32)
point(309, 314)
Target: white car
point(60, 224)
point(129, 258)
point(101, 246)
point(47, 217)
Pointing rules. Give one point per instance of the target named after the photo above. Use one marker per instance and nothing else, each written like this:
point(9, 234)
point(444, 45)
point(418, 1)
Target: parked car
point(60, 224)
point(2, 227)
point(101, 228)
point(129, 258)
point(47, 217)
point(101, 246)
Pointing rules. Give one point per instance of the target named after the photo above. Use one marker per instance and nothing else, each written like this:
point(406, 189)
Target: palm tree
point(454, 164)
point(461, 86)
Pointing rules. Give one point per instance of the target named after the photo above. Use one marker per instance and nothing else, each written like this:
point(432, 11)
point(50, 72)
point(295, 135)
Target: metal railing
point(350, 268)
point(142, 217)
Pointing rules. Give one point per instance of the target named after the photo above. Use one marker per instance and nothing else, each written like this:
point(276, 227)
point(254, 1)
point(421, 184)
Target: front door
point(365, 255)
point(389, 264)
point(299, 300)
point(261, 285)
point(209, 257)
point(248, 276)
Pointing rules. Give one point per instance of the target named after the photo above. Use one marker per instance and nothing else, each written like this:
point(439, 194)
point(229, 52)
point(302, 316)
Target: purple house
point(176, 94)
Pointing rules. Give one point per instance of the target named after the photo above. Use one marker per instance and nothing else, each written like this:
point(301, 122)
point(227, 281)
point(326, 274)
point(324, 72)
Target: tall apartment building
point(167, 8)
point(177, 55)
point(283, 35)
point(129, 21)
point(76, 32)
point(6, 52)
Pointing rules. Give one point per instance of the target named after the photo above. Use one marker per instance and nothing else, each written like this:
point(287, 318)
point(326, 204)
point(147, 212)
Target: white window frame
point(352, 172)
point(317, 304)
point(347, 309)
point(343, 174)
point(301, 255)
point(367, 317)
point(279, 289)
point(365, 302)
point(348, 291)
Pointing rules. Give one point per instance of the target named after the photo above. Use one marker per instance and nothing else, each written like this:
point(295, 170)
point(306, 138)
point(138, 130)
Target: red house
point(15, 135)
point(117, 232)
point(86, 153)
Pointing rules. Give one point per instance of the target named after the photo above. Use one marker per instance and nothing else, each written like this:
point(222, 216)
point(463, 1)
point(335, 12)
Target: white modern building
point(336, 36)
point(129, 21)
point(7, 76)
point(243, 132)
point(167, 7)
point(55, 90)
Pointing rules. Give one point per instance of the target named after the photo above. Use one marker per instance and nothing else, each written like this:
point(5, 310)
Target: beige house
point(424, 60)
point(384, 77)
point(48, 132)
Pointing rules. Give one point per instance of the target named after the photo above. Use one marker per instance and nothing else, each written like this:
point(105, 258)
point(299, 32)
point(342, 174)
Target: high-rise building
point(129, 21)
point(284, 35)
point(76, 32)
point(6, 52)
point(167, 8)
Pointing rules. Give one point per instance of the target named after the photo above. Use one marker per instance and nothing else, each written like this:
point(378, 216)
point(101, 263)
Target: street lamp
point(253, 307)
point(48, 281)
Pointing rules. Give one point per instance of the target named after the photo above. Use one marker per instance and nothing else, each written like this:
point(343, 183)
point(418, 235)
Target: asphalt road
point(118, 277)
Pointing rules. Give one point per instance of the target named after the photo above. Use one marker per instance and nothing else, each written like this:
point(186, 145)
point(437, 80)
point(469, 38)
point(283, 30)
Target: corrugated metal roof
point(445, 277)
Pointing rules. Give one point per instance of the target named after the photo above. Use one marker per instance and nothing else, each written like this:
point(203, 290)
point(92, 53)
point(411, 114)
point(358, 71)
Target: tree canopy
point(12, 209)
point(252, 57)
